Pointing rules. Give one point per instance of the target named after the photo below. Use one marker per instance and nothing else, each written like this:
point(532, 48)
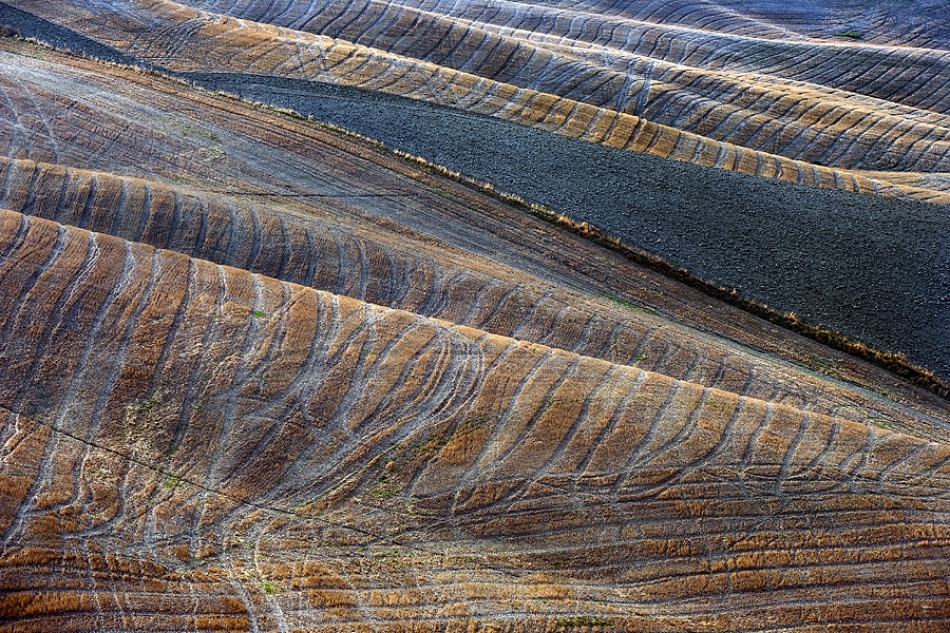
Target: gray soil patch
point(876, 269)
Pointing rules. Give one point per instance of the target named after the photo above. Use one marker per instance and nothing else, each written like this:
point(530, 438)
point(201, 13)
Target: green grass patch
point(448, 195)
point(145, 407)
point(620, 302)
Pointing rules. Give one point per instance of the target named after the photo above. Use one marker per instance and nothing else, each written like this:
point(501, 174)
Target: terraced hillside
point(260, 375)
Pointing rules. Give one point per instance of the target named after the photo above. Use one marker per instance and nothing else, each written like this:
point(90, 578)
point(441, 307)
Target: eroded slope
point(272, 457)
point(256, 376)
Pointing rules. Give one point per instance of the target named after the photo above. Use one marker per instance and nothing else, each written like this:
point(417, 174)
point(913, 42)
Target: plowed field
point(257, 374)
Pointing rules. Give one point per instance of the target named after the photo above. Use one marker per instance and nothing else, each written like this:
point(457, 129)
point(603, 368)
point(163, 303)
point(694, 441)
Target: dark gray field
point(876, 269)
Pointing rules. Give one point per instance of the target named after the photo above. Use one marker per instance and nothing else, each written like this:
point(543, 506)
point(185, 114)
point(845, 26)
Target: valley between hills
point(261, 373)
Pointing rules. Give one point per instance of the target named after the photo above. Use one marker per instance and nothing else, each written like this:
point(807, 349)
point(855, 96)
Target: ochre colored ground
point(259, 376)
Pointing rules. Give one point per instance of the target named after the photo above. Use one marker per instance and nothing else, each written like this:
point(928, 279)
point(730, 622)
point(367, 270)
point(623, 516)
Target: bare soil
point(877, 269)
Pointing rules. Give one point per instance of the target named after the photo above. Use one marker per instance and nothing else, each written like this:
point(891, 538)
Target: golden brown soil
point(858, 108)
point(259, 376)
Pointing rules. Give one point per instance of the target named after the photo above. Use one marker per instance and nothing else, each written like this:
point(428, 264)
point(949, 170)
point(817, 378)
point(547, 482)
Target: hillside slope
point(258, 375)
point(725, 91)
point(287, 459)
point(709, 134)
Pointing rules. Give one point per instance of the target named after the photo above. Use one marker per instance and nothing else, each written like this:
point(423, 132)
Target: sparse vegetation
point(385, 489)
point(620, 302)
point(188, 130)
point(431, 445)
point(147, 406)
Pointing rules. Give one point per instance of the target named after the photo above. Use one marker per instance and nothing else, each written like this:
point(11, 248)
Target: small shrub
point(145, 407)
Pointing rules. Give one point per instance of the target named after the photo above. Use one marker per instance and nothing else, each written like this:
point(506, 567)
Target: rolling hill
point(261, 374)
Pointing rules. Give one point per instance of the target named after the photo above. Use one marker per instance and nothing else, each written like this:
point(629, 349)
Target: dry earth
point(728, 93)
point(258, 375)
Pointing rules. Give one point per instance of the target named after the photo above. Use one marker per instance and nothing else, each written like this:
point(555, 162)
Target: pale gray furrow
point(581, 421)
point(44, 121)
point(453, 377)
point(528, 427)
point(191, 291)
point(65, 299)
point(363, 267)
point(625, 471)
point(145, 214)
point(488, 455)
point(653, 489)
point(24, 286)
point(32, 192)
point(848, 469)
point(808, 141)
point(906, 462)
point(386, 18)
point(92, 346)
point(307, 380)
point(608, 430)
point(45, 468)
point(224, 432)
point(306, 14)
point(19, 138)
point(194, 371)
